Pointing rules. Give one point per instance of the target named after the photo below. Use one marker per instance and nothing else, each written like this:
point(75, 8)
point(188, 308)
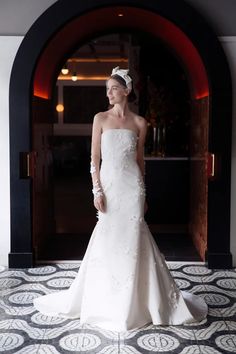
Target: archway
point(35, 69)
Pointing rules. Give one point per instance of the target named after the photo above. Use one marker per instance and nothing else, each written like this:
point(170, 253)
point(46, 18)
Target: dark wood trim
point(212, 54)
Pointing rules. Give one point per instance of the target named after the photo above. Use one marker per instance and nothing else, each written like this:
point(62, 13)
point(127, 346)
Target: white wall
point(229, 45)
point(220, 15)
point(9, 46)
point(17, 16)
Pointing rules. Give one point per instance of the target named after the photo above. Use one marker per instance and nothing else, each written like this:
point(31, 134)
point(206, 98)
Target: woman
point(123, 282)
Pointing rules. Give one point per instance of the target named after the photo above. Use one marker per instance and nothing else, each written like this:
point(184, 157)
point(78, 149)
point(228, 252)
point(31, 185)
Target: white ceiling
point(17, 16)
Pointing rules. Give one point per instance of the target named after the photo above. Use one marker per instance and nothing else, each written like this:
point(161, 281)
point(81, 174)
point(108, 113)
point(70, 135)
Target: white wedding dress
point(123, 282)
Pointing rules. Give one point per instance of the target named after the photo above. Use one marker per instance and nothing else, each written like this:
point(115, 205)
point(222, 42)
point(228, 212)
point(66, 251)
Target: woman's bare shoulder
point(140, 121)
point(100, 118)
point(101, 115)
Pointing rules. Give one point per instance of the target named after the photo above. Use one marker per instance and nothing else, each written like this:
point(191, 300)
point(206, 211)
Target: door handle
point(27, 164)
point(211, 165)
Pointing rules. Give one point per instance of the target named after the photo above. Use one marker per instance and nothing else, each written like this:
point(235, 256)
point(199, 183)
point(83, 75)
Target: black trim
point(20, 260)
point(219, 260)
point(208, 46)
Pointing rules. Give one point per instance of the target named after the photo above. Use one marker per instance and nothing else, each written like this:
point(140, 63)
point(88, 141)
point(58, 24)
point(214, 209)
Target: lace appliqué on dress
point(173, 296)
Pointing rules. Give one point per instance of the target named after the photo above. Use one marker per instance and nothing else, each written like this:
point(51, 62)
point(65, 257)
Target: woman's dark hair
point(131, 96)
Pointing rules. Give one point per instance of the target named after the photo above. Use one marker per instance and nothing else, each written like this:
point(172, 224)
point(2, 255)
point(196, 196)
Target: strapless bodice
point(118, 145)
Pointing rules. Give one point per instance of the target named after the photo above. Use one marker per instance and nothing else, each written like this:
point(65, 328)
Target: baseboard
point(219, 260)
point(21, 260)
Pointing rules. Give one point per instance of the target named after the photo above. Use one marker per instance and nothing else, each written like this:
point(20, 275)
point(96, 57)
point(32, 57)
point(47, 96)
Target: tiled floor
point(25, 331)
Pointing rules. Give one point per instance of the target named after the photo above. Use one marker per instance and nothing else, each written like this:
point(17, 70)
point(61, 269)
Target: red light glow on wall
point(108, 19)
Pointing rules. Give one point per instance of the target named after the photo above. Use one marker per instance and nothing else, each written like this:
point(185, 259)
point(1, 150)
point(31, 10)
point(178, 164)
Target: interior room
point(175, 188)
point(55, 59)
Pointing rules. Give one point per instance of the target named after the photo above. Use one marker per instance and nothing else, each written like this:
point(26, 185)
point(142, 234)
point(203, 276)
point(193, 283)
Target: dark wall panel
point(81, 103)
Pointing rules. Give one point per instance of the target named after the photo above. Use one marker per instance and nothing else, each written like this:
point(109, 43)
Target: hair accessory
point(124, 74)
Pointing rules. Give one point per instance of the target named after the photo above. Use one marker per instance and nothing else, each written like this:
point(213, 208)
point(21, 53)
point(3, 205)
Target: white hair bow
point(124, 74)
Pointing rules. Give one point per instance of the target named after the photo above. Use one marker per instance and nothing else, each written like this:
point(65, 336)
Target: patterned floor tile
point(220, 343)
point(10, 342)
point(25, 331)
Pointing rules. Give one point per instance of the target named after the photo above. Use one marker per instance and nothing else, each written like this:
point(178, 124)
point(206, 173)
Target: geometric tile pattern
point(23, 330)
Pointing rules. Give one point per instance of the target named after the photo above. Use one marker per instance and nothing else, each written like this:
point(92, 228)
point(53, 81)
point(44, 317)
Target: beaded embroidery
point(97, 190)
point(92, 167)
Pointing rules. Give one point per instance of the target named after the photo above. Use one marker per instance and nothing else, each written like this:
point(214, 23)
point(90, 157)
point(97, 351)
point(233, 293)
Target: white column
point(229, 45)
point(9, 46)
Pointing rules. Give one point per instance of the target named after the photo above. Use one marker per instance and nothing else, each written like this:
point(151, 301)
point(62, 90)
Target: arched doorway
point(64, 196)
point(35, 70)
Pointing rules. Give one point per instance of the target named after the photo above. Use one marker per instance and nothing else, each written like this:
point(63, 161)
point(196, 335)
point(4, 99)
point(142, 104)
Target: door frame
point(42, 33)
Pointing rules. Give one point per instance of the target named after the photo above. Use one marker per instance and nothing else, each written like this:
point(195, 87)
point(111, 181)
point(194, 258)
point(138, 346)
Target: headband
point(124, 74)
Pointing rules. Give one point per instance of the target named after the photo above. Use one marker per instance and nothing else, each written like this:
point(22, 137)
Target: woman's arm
point(140, 151)
point(140, 147)
point(95, 163)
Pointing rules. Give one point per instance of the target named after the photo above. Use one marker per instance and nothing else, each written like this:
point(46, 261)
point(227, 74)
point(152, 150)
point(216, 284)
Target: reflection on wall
point(42, 186)
point(199, 179)
point(164, 101)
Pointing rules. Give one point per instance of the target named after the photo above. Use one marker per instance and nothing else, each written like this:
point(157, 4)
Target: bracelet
point(92, 167)
point(97, 190)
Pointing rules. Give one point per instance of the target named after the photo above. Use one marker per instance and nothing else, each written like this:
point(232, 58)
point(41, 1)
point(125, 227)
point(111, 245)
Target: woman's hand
point(99, 203)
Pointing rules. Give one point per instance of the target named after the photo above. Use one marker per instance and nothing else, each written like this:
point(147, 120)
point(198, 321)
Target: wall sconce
point(65, 70)
point(60, 108)
point(74, 76)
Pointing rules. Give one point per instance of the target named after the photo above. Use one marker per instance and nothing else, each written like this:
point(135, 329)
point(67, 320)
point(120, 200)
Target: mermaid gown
point(123, 282)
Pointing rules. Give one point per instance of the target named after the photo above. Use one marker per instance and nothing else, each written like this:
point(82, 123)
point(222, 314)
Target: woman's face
point(116, 93)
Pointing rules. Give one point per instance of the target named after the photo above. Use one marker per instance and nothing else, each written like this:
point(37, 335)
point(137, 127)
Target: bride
point(123, 282)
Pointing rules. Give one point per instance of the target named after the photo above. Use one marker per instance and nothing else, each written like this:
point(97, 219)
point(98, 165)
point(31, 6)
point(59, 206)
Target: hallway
point(175, 247)
point(23, 330)
point(75, 219)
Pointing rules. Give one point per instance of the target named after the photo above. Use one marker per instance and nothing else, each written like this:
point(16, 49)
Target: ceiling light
point(65, 70)
point(74, 76)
